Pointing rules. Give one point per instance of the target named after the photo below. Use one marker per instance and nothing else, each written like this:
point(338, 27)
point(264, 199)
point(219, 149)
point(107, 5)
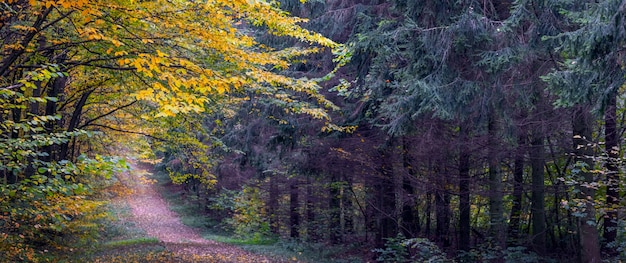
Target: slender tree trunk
point(612, 185)
point(74, 120)
point(428, 224)
point(410, 213)
point(537, 162)
point(335, 213)
point(496, 208)
point(464, 193)
point(310, 211)
point(518, 188)
point(583, 152)
point(387, 226)
point(347, 223)
point(294, 214)
point(51, 109)
point(272, 205)
point(442, 206)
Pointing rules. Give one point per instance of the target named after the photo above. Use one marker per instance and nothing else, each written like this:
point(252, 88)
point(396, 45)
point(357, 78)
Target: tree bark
point(294, 214)
point(335, 213)
point(51, 109)
point(583, 152)
point(347, 221)
point(496, 209)
point(518, 188)
point(442, 208)
point(410, 214)
point(612, 177)
point(464, 192)
point(311, 233)
point(387, 226)
point(537, 162)
point(73, 124)
point(427, 214)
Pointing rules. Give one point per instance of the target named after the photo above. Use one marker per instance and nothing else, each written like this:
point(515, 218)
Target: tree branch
point(131, 132)
point(87, 123)
point(11, 58)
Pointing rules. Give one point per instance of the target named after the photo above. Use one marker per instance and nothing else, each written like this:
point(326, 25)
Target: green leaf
point(53, 99)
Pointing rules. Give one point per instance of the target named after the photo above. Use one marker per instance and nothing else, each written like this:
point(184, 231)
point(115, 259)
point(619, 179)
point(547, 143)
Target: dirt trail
point(151, 213)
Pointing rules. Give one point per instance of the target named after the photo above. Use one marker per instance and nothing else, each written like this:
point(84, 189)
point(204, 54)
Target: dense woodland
point(466, 131)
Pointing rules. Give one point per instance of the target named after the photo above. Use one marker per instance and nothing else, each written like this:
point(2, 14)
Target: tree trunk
point(294, 214)
point(347, 223)
point(272, 205)
point(410, 214)
point(335, 213)
point(583, 152)
point(496, 209)
point(442, 208)
point(464, 193)
point(612, 185)
point(428, 223)
point(311, 233)
point(51, 109)
point(387, 226)
point(518, 188)
point(74, 120)
point(537, 162)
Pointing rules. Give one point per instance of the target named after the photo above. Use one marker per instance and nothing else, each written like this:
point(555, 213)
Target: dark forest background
point(480, 126)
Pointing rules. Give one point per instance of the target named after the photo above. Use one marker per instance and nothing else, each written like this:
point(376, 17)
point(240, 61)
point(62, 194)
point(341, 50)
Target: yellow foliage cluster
point(119, 190)
point(184, 51)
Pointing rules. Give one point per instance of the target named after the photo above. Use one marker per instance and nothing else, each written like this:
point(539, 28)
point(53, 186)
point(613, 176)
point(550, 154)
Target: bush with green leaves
point(46, 205)
point(489, 253)
point(620, 243)
point(401, 249)
point(37, 213)
point(395, 250)
point(247, 207)
point(424, 250)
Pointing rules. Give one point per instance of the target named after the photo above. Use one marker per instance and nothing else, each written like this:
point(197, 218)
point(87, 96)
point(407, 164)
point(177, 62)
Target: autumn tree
point(132, 67)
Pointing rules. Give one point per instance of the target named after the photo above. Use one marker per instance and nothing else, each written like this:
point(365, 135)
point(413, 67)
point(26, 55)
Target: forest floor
point(168, 239)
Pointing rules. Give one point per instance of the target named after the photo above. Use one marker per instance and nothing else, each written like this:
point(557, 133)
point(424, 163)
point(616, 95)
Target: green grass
point(131, 242)
point(119, 226)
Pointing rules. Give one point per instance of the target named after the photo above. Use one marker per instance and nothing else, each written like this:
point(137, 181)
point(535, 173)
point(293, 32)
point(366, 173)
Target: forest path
point(151, 213)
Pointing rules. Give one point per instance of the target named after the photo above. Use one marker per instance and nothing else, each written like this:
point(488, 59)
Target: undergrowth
point(287, 249)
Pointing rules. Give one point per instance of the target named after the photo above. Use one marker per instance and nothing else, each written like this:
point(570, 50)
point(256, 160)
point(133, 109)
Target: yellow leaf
point(161, 54)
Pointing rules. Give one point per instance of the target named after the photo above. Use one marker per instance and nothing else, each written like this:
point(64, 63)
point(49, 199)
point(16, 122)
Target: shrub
point(400, 249)
point(395, 250)
point(249, 217)
point(488, 253)
point(51, 209)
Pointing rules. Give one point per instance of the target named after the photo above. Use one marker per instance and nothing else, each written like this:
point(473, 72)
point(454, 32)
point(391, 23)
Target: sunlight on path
point(151, 213)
